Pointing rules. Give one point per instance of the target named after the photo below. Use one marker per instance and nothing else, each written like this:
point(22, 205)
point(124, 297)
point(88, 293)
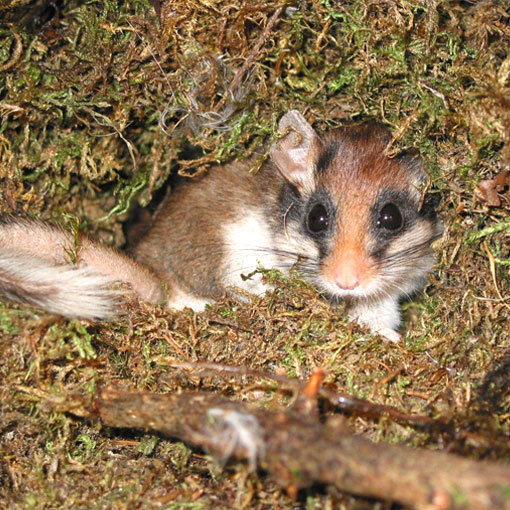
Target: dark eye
point(317, 220)
point(390, 217)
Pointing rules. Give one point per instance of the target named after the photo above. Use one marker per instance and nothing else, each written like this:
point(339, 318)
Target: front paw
point(381, 316)
point(389, 335)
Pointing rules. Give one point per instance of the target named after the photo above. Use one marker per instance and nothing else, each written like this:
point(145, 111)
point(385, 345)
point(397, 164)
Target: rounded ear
point(294, 153)
point(415, 166)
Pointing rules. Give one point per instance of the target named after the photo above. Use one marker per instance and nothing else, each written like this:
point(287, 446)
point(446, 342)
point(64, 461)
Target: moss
point(102, 101)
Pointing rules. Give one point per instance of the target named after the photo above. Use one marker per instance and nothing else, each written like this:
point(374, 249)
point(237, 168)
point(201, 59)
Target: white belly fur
point(248, 242)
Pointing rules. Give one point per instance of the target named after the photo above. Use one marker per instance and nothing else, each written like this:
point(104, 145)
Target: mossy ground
point(102, 101)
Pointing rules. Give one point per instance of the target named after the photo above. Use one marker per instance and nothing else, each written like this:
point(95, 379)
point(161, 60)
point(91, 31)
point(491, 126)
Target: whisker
point(253, 250)
point(276, 251)
point(396, 257)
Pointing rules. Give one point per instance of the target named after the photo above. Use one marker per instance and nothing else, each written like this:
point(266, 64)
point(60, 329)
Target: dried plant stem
point(343, 401)
point(239, 76)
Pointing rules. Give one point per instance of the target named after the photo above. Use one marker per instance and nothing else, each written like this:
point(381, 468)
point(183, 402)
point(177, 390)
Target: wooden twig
point(340, 400)
point(298, 450)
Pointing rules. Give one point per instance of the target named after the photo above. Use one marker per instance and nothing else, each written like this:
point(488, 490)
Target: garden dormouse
point(355, 221)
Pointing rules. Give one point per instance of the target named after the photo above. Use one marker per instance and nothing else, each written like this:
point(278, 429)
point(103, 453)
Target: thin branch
point(339, 400)
point(298, 450)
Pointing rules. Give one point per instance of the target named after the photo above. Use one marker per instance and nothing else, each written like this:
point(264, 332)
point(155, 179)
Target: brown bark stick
point(298, 451)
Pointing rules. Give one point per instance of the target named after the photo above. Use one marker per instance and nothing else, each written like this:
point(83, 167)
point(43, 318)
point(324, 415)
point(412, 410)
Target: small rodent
point(356, 222)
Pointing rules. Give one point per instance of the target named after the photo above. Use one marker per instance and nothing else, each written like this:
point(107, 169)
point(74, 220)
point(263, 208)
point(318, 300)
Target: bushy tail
point(34, 270)
point(65, 290)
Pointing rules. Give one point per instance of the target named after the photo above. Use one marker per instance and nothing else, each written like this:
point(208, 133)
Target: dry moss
point(101, 102)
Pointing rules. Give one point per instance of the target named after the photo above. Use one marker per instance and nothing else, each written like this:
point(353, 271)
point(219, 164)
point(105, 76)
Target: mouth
point(335, 292)
point(369, 289)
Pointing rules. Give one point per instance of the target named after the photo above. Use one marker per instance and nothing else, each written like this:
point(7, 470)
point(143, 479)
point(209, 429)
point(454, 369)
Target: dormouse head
point(368, 216)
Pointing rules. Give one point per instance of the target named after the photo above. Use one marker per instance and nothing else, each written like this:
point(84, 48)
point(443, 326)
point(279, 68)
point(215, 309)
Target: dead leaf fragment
point(488, 190)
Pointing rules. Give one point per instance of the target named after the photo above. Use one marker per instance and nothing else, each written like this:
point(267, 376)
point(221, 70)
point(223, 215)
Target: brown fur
point(184, 245)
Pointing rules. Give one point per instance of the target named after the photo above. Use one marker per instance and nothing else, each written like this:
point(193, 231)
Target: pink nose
point(347, 281)
point(348, 274)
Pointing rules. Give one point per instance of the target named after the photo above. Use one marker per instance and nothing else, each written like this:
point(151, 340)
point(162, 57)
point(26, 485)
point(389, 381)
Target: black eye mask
point(429, 206)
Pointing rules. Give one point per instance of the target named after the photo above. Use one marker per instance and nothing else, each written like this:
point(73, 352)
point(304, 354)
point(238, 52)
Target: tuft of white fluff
point(238, 430)
point(190, 101)
point(66, 290)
